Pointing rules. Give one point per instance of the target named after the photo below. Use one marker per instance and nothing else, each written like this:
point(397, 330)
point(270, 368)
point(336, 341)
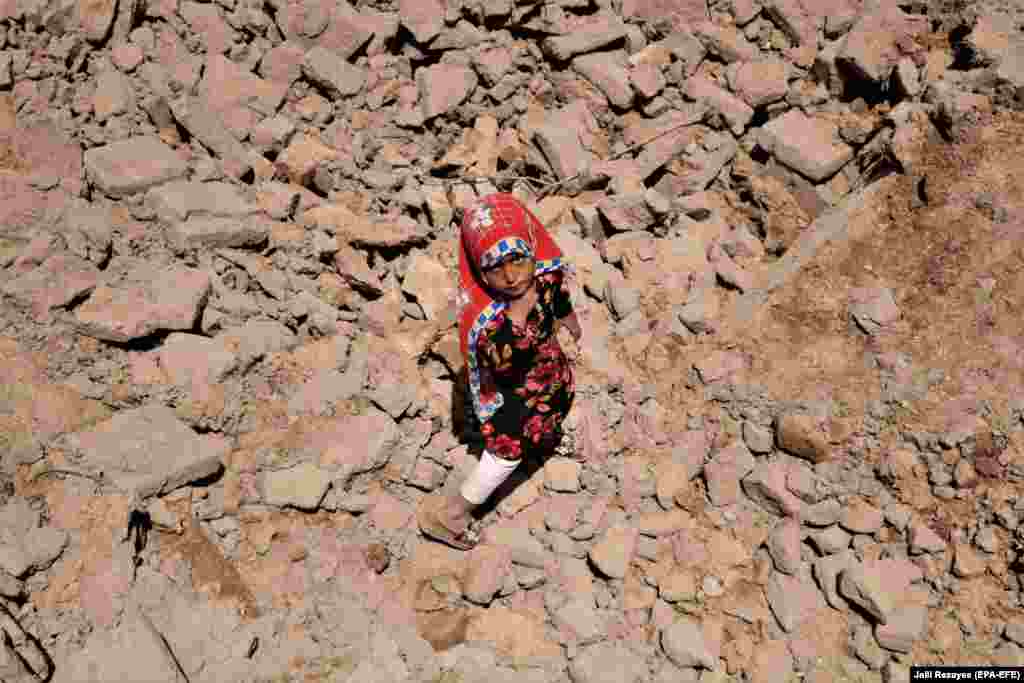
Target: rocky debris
point(131, 166)
point(146, 301)
point(303, 486)
point(866, 589)
point(725, 471)
point(56, 283)
point(766, 486)
point(607, 662)
point(230, 225)
point(784, 546)
point(923, 539)
point(809, 145)
point(793, 599)
point(148, 451)
point(614, 552)
point(904, 627)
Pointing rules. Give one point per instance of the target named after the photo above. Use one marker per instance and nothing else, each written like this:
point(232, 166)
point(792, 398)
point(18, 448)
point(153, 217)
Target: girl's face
point(512, 277)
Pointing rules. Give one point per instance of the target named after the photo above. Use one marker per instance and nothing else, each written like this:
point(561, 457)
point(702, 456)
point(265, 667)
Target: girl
point(513, 298)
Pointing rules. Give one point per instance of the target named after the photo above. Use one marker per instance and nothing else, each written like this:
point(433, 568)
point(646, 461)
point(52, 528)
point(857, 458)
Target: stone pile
point(228, 246)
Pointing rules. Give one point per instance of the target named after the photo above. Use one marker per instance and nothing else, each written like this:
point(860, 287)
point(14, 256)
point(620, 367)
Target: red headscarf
point(493, 228)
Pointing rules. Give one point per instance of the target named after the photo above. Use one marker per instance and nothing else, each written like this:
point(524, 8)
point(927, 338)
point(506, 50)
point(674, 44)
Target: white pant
point(489, 474)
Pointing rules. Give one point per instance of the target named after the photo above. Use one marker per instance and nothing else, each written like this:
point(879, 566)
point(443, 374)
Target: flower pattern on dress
point(525, 366)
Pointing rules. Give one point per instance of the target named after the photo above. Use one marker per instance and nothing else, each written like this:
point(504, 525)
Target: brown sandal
point(433, 529)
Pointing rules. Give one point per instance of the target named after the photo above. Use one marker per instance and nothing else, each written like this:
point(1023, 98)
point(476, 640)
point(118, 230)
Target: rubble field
point(229, 367)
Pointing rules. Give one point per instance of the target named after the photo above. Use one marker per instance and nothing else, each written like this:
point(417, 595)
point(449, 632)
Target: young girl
point(513, 297)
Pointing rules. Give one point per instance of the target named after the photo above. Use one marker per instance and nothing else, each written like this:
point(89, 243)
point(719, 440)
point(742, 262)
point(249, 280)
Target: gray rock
point(866, 648)
point(622, 298)
point(33, 552)
point(784, 546)
point(699, 314)
point(825, 513)
point(924, 540)
point(684, 644)
point(831, 540)
point(826, 573)
point(766, 486)
point(57, 282)
point(206, 125)
point(443, 87)
point(866, 588)
point(810, 146)
point(364, 442)
point(906, 625)
point(604, 30)
point(147, 301)
point(337, 76)
point(179, 200)
point(759, 439)
point(323, 391)
point(132, 165)
point(614, 552)
point(148, 450)
point(898, 515)
point(1014, 631)
point(194, 361)
point(607, 663)
point(725, 471)
point(609, 73)
point(134, 651)
point(256, 338)
point(581, 619)
point(303, 486)
point(792, 599)
point(873, 308)
point(11, 587)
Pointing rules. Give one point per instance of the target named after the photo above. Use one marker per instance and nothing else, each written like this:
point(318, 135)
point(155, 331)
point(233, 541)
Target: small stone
point(898, 515)
point(792, 599)
point(562, 475)
point(683, 643)
point(987, 540)
point(487, 566)
point(966, 561)
point(581, 619)
point(784, 546)
point(758, 439)
point(827, 571)
point(861, 517)
point(924, 540)
point(866, 648)
point(302, 486)
point(613, 553)
point(825, 513)
point(831, 540)
point(530, 578)
point(1014, 631)
point(801, 436)
point(906, 625)
point(607, 662)
point(866, 589)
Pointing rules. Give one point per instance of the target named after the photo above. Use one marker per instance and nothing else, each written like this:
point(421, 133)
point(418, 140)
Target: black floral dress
point(527, 365)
